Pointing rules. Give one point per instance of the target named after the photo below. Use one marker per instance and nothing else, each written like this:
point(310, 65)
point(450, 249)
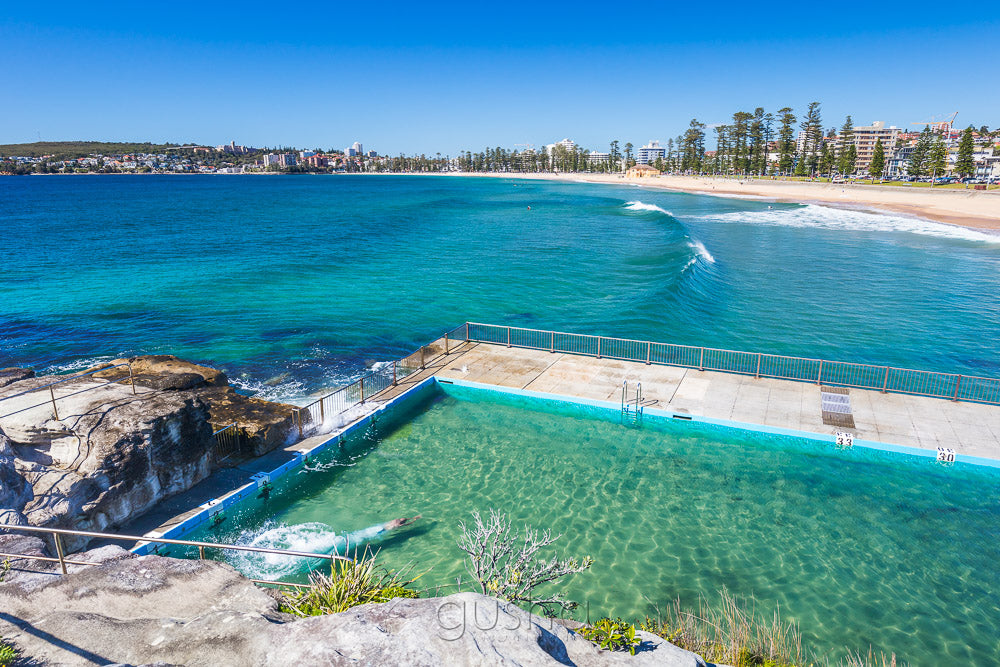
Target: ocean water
point(861, 548)
point(296, 284)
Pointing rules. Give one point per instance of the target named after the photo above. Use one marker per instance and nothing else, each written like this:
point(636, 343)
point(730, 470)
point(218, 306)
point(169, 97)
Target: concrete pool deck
point(972, 429)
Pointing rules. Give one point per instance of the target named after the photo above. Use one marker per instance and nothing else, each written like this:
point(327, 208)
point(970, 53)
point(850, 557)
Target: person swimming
point(312, 537)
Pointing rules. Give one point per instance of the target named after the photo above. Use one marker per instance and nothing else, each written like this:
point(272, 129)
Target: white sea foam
point(641, 206)
point(312, 537)
point(283, 388)
point(826, 217)
point(78, 365)
point(701, 251)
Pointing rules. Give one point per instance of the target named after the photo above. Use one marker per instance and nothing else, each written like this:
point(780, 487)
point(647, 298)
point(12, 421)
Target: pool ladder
point(632, 409)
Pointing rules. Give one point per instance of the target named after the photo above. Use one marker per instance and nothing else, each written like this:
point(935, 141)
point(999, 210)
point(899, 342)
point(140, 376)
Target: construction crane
point(940, 123)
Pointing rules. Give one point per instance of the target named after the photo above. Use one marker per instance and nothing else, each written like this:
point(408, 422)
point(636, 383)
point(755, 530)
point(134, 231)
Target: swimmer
point(399, 523)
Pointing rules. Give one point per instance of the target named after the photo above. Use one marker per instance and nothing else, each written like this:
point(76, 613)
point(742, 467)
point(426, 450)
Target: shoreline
point(972, 209)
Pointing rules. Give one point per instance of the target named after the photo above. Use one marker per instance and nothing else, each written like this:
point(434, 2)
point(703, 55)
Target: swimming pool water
point(861, 547)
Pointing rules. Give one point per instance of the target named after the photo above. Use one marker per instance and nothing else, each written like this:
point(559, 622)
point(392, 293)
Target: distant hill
point(64, 150)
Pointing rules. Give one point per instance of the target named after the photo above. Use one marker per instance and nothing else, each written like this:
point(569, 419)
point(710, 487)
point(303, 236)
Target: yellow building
point(642, 171)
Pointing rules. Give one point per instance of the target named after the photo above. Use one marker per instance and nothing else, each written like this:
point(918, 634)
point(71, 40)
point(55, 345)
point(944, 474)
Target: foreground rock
point(153, 609)
point(106, 453)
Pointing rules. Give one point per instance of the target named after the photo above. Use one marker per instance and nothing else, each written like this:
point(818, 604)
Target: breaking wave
point(813, 216)
point(641, 206)
point(701, 251)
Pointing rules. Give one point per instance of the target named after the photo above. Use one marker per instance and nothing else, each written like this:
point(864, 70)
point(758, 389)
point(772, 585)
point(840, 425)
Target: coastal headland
point(975, 209)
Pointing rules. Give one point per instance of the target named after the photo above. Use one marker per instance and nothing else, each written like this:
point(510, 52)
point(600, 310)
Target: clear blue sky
point(433, 77)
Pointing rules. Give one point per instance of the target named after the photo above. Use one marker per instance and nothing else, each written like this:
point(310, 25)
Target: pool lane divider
point(218, 506)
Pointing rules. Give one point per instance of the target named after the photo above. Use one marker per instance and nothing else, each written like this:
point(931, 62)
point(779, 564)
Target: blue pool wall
point(386, 413)
point(434, 386)
point(608, 409)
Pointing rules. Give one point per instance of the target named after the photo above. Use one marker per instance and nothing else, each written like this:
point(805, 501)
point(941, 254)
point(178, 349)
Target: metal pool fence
point(759, 364)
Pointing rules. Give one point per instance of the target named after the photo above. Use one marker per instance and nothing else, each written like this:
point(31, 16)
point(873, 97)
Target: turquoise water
point(862, 548)
point(293, 284)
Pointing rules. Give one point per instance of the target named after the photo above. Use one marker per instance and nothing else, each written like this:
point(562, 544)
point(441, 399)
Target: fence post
point(598, 347)
point(701, 361)
point(446, 343)
point(552, 341)
point(649, 347)
point(393, 372)
point(958, 383)
point(201, 553)
point(819, 376)
point(508, 336)
point(885, 382)
point(757, 374)
point(298, 418)
point(59, 551)
point(54, 411)
point(362, 388)
point(131, 378)
point(322, 412)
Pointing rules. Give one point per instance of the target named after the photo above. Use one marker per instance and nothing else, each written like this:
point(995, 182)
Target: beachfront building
point(270, 159)
point(355, 150)
point(865, 137)
point(596, 157)
point(642, 171)
point(568, 144)
point(649, 153)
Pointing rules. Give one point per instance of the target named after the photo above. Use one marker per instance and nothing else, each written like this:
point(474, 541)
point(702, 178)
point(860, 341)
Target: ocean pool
point(861, 547)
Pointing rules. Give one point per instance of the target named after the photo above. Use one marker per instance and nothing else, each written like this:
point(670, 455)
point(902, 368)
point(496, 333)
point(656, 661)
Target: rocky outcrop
point(11, 375)
point(107, 452)
point(153, 609)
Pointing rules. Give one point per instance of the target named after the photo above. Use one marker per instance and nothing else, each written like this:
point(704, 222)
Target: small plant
point(507, 566)
point(733, 633)
point(616, 635)
point(871, 659)
point(349, 584)
point(8, 654)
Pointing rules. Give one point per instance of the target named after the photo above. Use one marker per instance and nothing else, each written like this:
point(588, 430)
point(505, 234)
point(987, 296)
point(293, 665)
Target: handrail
point(376, 384)
point(53, 398)
point(935, 384)
point(57, 534)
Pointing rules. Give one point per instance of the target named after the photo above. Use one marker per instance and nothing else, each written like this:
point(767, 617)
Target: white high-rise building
point(568, 144)
point(648, 153)
point(355, 150)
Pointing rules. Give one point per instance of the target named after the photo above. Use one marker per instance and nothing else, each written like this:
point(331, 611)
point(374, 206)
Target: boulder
point(154, 609)
point(164, 371)
point(11, 375)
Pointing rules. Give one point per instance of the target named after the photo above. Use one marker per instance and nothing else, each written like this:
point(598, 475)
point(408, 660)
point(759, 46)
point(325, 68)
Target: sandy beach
point(976, 209)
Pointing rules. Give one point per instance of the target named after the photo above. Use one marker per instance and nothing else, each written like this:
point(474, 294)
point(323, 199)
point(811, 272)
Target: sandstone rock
point(11, 375)
point(111, 455)
point(154, 609)
point(15, 491)
point(105, 454)
point(165, 371)
point(262, 425)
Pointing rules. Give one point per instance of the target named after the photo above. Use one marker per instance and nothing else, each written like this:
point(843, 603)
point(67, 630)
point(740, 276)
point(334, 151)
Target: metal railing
point(63, 561)
point(227, 442)
point(374, 382)
point(52, 395)
point(758, 364)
